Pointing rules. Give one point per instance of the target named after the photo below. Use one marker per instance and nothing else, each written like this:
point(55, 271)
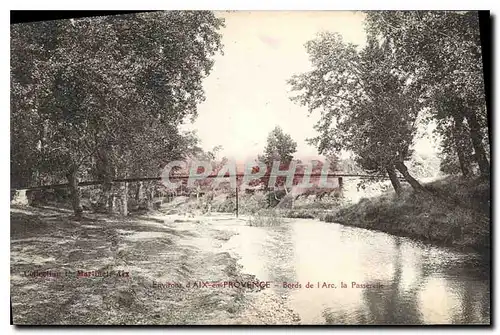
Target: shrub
point(266, 218)
point(427, 217)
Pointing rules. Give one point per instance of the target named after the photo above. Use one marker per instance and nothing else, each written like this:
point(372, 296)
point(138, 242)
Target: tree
point(443, 50)
point(367, 106)
point(279, 147)
point(456, 146)
point(53, 95)
point(107, 94)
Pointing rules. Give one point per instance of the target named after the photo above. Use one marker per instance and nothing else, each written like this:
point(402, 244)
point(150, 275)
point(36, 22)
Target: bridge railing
point(181, 177)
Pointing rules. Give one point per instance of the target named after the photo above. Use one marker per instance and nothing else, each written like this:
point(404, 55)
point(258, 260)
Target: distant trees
point(279, 147)
point(104, 96)
point(371, 98)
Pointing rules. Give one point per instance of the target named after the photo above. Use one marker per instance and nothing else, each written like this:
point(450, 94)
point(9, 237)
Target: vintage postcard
point(250, 168)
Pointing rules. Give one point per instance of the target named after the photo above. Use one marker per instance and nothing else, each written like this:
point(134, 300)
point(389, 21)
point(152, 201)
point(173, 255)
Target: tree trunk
point(124, 199)
point(108, 196)
point(112, 201)
point(275, 197)
point(409, 178)
point(458, 137)
point(396, 184)
point(140, 192)
point(75, 192)
point(477, 143)
point(151, 195)
point(105, 172)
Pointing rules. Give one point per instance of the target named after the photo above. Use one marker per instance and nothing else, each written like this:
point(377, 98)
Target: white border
point(185, 4)
point(255, 5)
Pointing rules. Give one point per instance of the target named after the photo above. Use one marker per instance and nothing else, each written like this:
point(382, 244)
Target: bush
point(300, 214)
point(226, 206)
point(427, 217)
point(266, 218)
point(48, 196)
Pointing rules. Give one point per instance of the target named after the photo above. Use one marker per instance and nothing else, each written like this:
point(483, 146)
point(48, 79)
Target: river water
point(413, 283)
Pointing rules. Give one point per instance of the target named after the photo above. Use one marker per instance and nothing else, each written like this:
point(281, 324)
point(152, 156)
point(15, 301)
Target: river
point(413, 283)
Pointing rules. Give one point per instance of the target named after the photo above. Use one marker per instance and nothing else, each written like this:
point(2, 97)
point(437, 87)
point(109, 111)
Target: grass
point(458, 216)
point(300, 214)
point(257, 207)
point(266, 218)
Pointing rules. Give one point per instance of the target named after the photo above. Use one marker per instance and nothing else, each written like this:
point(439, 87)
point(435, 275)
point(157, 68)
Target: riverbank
point(135, 270)
point(110, 270)
point(428, 218)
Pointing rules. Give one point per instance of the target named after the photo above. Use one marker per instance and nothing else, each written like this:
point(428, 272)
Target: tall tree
point(443, 50)
point(279, 147)
point(367, 106)
point(111, 91)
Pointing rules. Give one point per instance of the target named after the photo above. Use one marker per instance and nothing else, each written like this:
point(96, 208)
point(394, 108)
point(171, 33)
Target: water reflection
point(421, 284)
point(397, 304)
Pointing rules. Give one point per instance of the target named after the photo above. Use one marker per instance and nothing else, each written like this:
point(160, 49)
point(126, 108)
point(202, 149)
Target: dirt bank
point(111, 270)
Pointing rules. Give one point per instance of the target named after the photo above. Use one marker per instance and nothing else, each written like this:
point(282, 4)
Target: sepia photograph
point(295, 168)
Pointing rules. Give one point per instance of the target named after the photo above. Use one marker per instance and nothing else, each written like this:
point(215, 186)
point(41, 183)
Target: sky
point(246, 92)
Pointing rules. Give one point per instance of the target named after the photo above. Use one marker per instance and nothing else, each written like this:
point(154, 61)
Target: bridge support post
point(236, 197)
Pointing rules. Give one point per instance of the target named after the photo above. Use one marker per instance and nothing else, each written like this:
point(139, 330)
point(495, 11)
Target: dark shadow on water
point(392, 305)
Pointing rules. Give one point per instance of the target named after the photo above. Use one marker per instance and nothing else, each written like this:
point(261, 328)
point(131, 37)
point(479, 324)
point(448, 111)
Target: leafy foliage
point(104, 96)
point(371, 98)
point(280, 147)
point(368, 107)
point(442, 50)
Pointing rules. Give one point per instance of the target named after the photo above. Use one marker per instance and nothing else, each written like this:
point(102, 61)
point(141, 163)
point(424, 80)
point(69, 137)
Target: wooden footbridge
point(239, 177)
